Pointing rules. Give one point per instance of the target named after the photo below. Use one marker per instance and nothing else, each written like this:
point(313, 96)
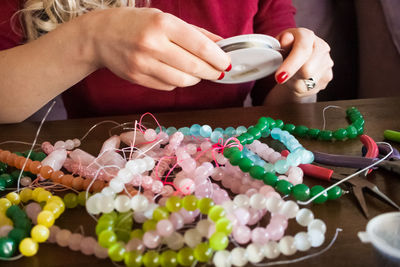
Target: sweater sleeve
point(10, 27)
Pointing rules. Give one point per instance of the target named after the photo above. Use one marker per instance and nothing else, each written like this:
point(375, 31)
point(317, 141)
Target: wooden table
point(379, 114)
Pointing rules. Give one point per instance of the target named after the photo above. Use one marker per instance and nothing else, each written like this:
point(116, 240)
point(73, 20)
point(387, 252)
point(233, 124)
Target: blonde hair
point(42, 16)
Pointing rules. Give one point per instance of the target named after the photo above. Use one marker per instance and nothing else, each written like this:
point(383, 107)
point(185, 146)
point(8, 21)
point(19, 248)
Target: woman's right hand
point(154, 49)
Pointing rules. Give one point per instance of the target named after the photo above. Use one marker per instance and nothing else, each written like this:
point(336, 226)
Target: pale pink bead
point(188, 216)
point(204, 190)
point(139, 217)
point(32, 210)
point(251, 192)
point(295, 179)
point(220, 196)
point(232, 218)
point(149, 195)
point(136, 180)
point(188, 165)
point(273, 194)
point(255, 216)
point(69, 144)
point(5, 229)
point(25, 181)
point(283, 177)
point(151, 239)
point(181, 154)
point(87, 245)
point(266, 189)
point(177, 220)
point(135, 244)
point(236, 188)
point(63, 237)
point(100, 252)
point(200, 180)
point(147, 182)
point(165, 227)
point(53, 233)
point(74, 241)
point(244, 188)
point(150, 135)
point(227, 181)
point(279, 219)
point(242, 234)
point(259, 235)
point(163, 136)
point(59, 145)
point(215, 187)
point(191, 149)
point(162, 201)
point(242, 215)
point(275, 231)
point(186, 186)
point(218, 174)
point(167, 191)
point(47, 147)
point(246, 179)
point(254, 184)
point(273, 157)
point(221, 159)
point(157, 186)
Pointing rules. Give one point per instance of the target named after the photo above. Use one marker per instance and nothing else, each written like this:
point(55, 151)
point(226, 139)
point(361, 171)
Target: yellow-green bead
point(169, 259)
point(202, 252)
point(14, 198)
point(107, 238)
point(116, 251)
point(4, 204)
point(133, 259)
point(189, 202)
point(185, 256)
point(58, 200)
point(160, 213)
point(82, 198)
point(216, 213)
point(28, 247)
point(224, 225)
point(44, 196)
point(25, 194)
point(173, 204)
point(137, 233)
point(219, 241)
point(46, 218)
point(40, 233)
point(205, 204)
point(151, 259)
point(71, 200)
point(149, 225)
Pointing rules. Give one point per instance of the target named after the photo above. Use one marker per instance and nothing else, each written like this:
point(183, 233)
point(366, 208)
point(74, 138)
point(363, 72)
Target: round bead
point(116, 252)
point(122, 203)
point(301, 241)
point(168, 259)
point(286, 245)
point(316, 190)
point(238, 256)
point(254, 253)
point(107, 238)
point(25, 194)
point(222, 258)
point(174, 241)
point(40, 233)
point(202, 252)
point(185, 256)
point(301, 192)
point(317, 224)
point(28, 247)
point(139, 203)
point(304, 217)
point(75, 241)
point(271, 250)
point(151, 239)
point(270, 179)
point(7, 247)
point(133, 259)
point(274, 204)
point(46, 218)
point(62, 237)
point(257, 201)
point(316, 237)
point(340, 134)
point(189, 202)
point(71, 200)
point(224, 225)
point(192, 237)
point(151, 259)
point(14, 198)
point(335, 193)
point(205, 204)
point(289, 209)
point(219, 241)
point(284, 187)
point(173, 204)
point(216, 212)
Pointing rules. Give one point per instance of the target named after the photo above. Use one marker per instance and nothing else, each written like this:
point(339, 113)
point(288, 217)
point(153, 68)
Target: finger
point(152, 82)
point(212, 36)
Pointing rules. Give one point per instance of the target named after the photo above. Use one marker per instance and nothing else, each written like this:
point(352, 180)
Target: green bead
point(289, 127)
point(185, 256)
point(17, 234)
point(133, 259)
point(219, 241)
point(151, 259)
point(316, 190)
point(205, 204)
point(2, 184)
point(300, 130)
point(3, 167)
point(249, 138)
point(169, 258)
point(359, 122)
point(7, 247)
point(71, 200)
point(39, 156)
point(108, 217)
point(313, 133)
point(301, 192)
point(14, 211)
point(102, 226)
point(107, 238)
point(263, 121)
point(266, 133)
point(245, 164)
point(279, 124)
point(335, 193)
point(224, 225)
point(229, 150)
point(360, 129)
point(284, 187)
point(173, 204)
point(137, 233)
point(189, 202)
point(257, 172)
point(160, 213)
point(235, 157)
point(326, 135)
point(263, 127)
point(271, 123)
point(202, 252)
point(351, 132)
point(22, 223)
point(340, 134)
point(270, 179)
point(216, 213)
point(149, 225)
point(9, 181)
point(116, 252)
point(242, 139)
point(255, 132)
point(82, 198)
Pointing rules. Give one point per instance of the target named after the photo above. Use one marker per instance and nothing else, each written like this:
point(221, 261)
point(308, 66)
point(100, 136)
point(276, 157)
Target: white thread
point(323, 114)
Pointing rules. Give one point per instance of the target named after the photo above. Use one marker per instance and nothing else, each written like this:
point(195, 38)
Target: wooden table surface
point(379, 114)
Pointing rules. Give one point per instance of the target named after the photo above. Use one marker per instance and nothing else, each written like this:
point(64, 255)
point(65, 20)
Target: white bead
point(203, 226)
point(125, 175)
point(274, 204)
point(91, 205)
point(257, 201)
point(289, 209)
point(77, 142)
point(132, 167)
point(186, 186)
point(254, 253)
point(317, 224)
point(122, 203)
point(301, 241)
point(59, 145)
point(241, 201)
point(108, 191)
point(150, 163)
point(141, 165)
point(174, 241)
point(116, 185)
point(304, 217)
point(148, 213)
point(271, 250)
point(192, 238)
point(139, 203)
point(238, 256)
point(105, 204)
point(69, 144)
point(222, 258)
point(316, 238)
point(286, 245)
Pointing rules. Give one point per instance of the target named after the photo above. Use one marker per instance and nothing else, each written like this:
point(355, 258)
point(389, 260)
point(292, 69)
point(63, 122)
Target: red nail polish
point(281, 77)
point(229, 67)
point(221, 76)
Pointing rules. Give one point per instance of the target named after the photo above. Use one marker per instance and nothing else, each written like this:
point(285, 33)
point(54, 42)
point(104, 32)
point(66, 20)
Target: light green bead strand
point(205, 204)
point(160, 213)
point(169, 259)
point(216, 213)
point(151, 259)
point(133, 259)
point(219, 241)
point(224, 225)
point(189, 202)
point(173, 204)
point(202, 252)
point(185, 256)
point(116, 252)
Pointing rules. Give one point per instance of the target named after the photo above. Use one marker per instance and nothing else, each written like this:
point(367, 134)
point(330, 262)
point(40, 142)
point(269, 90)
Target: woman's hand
point(154, 49)
point(307, 56)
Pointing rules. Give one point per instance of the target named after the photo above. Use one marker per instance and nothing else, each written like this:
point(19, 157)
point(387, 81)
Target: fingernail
point(229, 67)
point(281, 77)
point(221, 76)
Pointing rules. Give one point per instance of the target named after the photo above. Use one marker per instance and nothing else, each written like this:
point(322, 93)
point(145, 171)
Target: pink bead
point(246, 179)
point(63, 237)
point(151, 239)
point(236, 188)
point(259, 235)
point(32, 210)
point(150, 135)
point(157, 186)
point(176, 220)
point(87, 245)
point(251, 192)
point(100, 252)
point(227, 181)
point(266, 189)
point(147, 182)
point(218, 174)
point(242, 215)
point(53, 233)
point(187, 216)
point(221, 159)
point(163, 136)
point(47, 147)
point(244, 188)
point(74, 241)
point(191, 149)
point(204, 190)
point(188, 165)
point(279, 219)
point(242, 234)
point(167, 191)
point(255, 216)
point(162, 201)
point(135, 244)
point(165, 228)
point(273, 157)
point(273, 194)
point(283, 177)
point(186, 186)
point(275, 231)
point(5, 229)
point(139, 217)
point(200, 180)
point(220, 196)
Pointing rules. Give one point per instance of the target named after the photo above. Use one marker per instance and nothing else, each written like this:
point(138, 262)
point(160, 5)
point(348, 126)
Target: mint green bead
point(107, 238)
point(335, 193)
point(224, 225)
point(316, 190)
point(173, 204)
point(270, 179)
point(326, 135)
point(235, 158)
point(216, 213)
point(82, 198)
point(230, 131)
point(241, 129)
point(279, 124)
point(351, 132)
point(133, 259)
point(169, 258)
point(205, 204)
point(313, 133)
point(257, 172)
point(189, 202)
point(340, 134)
point(116, 252)
point(300, 130)
point(284, 187)
point(137, 233)
point(219, 241)
point(151, 259)
point(102, 226)
point(185, 256)
point(301, 192)
point(202, 252)
point(149, 225)
point(245, 164)
point(71, 200)
point(289, 127)
point(255, 132)
point(160, 213)
point(281, 166)
point(271, 122)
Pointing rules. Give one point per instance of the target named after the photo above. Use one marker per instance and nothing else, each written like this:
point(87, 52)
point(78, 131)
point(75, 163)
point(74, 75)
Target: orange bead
point(56, 176)
point(10, 159)
point(97, 186)
point(35, 167)
point(46, 172)
point(77, 183)
point(86, 183)
point(19, 162)
point(3, 155)
point(67, 180)
point(27, 165)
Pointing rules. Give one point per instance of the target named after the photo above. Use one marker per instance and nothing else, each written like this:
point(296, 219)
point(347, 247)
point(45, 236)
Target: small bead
point(326, 135)
point(340, 134)
point(335, 193)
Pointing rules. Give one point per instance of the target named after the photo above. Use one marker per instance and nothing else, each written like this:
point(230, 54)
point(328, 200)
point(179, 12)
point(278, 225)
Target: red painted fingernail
point(281, 77)
point(221, 76)
point(229, 67)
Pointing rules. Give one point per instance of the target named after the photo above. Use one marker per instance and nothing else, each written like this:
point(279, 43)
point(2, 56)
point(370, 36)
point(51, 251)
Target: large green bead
point(185, 256)
point(137, 233)
point(9, 181)
point(359, 122)
point(279, 124)
point(102, 226)
point(249, 138)
point(340, 134)
point(270, 179)
point(242, 139)
point(316, 190)
point(235, 158)
point(17, 234)
point(229, 150)
point(254, 131)
point(216, 213)
point(205, 204)
point(301, 192)
point(257, 172)
point(133, 259)
point(107, 238)
point(39, 156)
point(151, 259)
point(263, 120)
point(71, 200)
point(219, 241)
point(116, 252)
point(169, 258)
point(189, 203)
point(326, 135)
point(7, 247)
point(271, 123)
point(351, 132)
point(284, 187)
point(3, 167)
point(360, 129)
point(289, 127)
point(173, 204)
point(202, 252)
point(335, 193)
point(160, 213)
point(245, 164)
point(224, 225)
point(262, 126)
point(300, 130)
point(149, 225)
point(313, 133)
